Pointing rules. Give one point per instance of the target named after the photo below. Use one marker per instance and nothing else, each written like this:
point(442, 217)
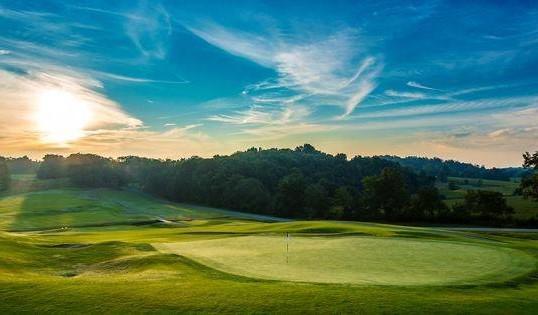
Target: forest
point(300, 183)
point(442, 169)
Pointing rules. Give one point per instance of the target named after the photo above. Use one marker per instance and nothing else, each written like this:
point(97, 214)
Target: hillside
point(525, 209)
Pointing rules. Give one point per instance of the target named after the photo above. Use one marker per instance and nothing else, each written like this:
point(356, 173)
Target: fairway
point(61, 208)
point(357, 260)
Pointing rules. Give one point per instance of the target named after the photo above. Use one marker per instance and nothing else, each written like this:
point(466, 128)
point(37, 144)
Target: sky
point(171, 79)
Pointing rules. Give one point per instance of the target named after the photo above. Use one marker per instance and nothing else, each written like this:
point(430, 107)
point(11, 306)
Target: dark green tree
point(427, 203)
point(316, 201)
point(22, 165)
point(486, 204)
point(529, 184)
point(53, 166)
point(385, 194)
point(91, 170)
point(290, 196)
point(249, 194)
point(5, 178)
point(342, 203)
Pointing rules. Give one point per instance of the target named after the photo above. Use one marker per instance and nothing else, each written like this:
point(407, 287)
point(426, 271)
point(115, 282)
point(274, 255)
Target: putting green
point(357, 260)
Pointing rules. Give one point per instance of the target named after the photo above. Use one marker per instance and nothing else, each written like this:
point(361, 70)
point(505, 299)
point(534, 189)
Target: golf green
point(357, 260)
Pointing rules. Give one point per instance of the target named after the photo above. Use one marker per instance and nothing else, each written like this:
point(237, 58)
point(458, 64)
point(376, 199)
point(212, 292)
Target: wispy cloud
point(414, 95)
point(173, 143)
point(364, 88)
point(257, 115)
point(148, 26)
point(125, 78)
point(274, 132)
point(420, 86)
point(327, 67)
point(478, 105)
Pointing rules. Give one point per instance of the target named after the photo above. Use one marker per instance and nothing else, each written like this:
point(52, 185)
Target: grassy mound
point(358, 260)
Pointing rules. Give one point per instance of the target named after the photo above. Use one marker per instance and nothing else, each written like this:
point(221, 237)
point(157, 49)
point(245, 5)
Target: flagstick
point(287, 246)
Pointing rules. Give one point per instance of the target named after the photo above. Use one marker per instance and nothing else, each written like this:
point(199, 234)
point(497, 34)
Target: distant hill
point(445, 168)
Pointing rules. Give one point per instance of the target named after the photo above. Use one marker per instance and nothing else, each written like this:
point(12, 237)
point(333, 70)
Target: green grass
point(216, 261)
point(55, 272)
point(357, 260)
point(524, 208)
point(67, 208)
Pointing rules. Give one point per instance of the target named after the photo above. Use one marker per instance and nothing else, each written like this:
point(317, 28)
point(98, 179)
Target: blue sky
point(180, 78)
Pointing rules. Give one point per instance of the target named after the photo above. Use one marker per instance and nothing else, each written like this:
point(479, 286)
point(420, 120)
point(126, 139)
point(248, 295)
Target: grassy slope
point(115, 269)
point(65, 208)
point(524, 208)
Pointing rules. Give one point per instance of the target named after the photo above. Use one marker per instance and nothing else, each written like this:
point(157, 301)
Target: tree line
point(442, 169)
point(21, 165)
point(299, 183)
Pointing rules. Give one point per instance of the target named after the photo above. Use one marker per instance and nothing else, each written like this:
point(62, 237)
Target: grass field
point(524, 208)
point(104, 251)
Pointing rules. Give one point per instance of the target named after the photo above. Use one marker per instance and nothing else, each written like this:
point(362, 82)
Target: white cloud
point(149, 28)
point(20, 93)
point(499, 133)
point(414, 95)
point(454, 107)
point(420, 86)
point(173, 143)
point(274, 132)
point(238, 43)
point(257, 115)
point(108, 75)
point(363, 90)
point(4, 52)
point(309, 72)
point(111, 130)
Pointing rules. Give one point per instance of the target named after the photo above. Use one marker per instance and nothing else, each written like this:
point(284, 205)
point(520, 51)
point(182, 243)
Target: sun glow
point(61, 117)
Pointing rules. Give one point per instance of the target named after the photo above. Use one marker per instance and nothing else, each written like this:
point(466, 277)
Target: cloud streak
point(413, 95)
point(420, 86)
point(316, 70)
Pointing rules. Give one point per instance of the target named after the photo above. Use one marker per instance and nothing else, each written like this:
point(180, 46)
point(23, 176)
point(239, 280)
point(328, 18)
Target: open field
point(105, 251)
point(524, 208)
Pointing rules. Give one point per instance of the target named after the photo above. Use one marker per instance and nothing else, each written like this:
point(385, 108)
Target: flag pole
point(287, 246)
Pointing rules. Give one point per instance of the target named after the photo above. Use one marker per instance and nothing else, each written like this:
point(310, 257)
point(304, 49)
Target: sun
point(61, 116)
